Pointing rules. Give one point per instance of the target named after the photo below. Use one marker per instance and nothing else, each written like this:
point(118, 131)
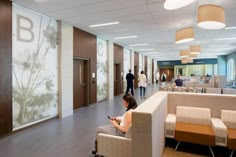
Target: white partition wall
point(141, 63)
point(149, 70)
point(65, 69)
point(132, 62)
point(110, 70)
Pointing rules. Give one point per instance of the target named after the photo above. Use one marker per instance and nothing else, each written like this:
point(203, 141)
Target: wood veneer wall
point(136, 59)
point(118, 58)
point(85, 46)
point(5, 66)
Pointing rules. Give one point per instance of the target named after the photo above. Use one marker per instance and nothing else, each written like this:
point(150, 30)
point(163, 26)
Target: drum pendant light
point(184, 54)
point(195, 49)
point(184, 35)
point(211, 17)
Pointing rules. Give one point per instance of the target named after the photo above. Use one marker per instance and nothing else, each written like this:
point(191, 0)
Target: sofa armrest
point(170, 123)
point(115, 146)
point(220, 131)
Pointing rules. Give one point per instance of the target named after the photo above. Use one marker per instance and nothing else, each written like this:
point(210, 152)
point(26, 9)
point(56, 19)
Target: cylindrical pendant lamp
point(195, 49)
point(184, 35)
point(211, 17)
point(184, 54)
point(193, 56)
point(184, 60)
point(190, 60)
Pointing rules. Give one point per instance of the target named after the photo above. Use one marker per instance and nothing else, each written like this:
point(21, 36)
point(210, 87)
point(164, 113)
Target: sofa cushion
point(213, 90)
point(229, 91)
point(228, 117)
point(199, 134)
point(193, 115)
point(232, 138)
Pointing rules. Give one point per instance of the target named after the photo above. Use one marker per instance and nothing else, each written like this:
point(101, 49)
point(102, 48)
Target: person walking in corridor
point(130, 83)
point(142, 84)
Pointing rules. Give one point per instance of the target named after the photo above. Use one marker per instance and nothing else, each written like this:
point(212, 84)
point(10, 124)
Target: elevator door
point(136, 74)
point(117, 79)
point(81, 83)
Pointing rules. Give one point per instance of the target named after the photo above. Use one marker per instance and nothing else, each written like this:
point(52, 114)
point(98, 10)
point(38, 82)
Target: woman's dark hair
point(131, 101)
point(142, 72)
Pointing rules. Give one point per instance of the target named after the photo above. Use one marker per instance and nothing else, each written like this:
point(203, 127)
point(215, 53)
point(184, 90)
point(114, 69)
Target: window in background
point(230, 69)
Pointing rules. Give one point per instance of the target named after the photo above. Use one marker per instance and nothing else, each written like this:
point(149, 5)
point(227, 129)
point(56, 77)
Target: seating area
point(203, 123)
point(190, 89)
point(186, 117)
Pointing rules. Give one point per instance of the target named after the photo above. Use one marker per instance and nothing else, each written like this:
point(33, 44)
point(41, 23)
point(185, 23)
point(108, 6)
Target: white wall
point(110, 70)
point(65, 69)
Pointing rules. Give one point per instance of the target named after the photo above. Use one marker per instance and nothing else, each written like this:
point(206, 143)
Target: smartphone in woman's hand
point(109, 117)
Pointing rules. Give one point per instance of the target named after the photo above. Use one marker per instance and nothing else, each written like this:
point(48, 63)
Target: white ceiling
point(145, 18)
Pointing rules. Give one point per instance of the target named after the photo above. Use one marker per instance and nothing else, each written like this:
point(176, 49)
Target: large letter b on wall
point(24, 29)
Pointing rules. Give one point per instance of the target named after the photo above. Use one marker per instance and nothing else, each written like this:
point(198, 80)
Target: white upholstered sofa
point(148, 121)
point(146, 135)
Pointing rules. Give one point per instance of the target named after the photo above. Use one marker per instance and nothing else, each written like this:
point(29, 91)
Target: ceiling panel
point(146, 18)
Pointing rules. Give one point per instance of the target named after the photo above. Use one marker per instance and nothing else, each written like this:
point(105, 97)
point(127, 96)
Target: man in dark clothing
point(178, 81)
point(130, 83)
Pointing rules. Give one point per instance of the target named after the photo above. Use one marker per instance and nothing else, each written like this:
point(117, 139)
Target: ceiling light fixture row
point(187, 56)
point(209, 17)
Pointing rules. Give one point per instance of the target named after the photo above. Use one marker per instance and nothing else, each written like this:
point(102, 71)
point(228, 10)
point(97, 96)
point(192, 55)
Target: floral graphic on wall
point(126, 66)
point(149, 70)
point(102, 69)
point(34, 67)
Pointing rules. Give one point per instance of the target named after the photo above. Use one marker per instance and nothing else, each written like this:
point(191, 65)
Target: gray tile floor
point(74, 136)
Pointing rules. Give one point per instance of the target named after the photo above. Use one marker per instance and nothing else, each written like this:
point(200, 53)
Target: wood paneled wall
point(85, 46)
point(118, 54)
point(136, 73)
point(136, 59)
point(5, 66)
point(145, 65)
point(118, 58)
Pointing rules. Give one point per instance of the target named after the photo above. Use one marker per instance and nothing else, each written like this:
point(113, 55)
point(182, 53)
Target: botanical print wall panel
point(34, 67)
point(102, 69)
point(126, 67)
point(149, 70)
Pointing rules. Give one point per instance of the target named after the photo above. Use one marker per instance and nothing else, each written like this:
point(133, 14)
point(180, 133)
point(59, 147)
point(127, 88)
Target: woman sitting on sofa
point(119, 125)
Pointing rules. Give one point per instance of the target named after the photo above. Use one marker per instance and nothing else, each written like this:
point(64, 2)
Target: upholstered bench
point(220, 131)
point(229, 91)
point(199, 134)
point(228, 117)
point(213, 90)
point(170, 125)
point(231, 140)
point(193, 125)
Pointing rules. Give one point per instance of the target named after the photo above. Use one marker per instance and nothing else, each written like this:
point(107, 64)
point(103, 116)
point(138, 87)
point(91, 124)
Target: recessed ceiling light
point(138, 44)
point(176, 4)
point(145, 49)
point(149, 53)
point(219, 45)
point(41, 1)
point(220, 39)
point(126, 37)
point(230, 28)
point(104, 24)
